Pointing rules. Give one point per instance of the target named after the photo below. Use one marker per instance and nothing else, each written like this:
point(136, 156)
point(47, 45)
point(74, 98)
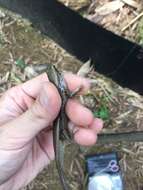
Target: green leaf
point(102, 113)
point(21, 63)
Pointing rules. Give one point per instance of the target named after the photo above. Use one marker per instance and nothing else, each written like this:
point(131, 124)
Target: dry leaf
point(2, 14)
point(76, 4)
point(109, 7)
point(85, 69)
point(132, 3)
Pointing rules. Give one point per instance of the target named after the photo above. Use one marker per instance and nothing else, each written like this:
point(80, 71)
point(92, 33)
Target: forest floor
point(123, 109)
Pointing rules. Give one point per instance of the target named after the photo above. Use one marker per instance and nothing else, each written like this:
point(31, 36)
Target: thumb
point(43, 112)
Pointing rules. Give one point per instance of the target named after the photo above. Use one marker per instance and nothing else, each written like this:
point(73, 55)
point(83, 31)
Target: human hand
point(26, 115)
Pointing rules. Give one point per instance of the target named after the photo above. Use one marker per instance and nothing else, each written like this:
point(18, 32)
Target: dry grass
point(18, 41)
point(76, 5)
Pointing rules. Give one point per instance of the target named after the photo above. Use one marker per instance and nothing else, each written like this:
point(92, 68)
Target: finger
point(33, 86)
point(96, 125)
point(24, 128)
point(85, 137)
point(74, 81)
point(18, 99)
point(79, 114)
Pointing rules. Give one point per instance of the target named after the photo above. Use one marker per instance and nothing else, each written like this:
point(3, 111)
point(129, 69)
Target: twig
point(134, 136)
point(132, 22)
point(131, 3)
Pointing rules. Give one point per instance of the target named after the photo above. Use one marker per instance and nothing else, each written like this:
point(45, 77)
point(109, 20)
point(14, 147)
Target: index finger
point(75, 81)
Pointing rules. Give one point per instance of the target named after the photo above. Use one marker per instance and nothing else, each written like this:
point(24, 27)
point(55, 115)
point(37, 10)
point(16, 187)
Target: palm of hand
point(24, 158)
